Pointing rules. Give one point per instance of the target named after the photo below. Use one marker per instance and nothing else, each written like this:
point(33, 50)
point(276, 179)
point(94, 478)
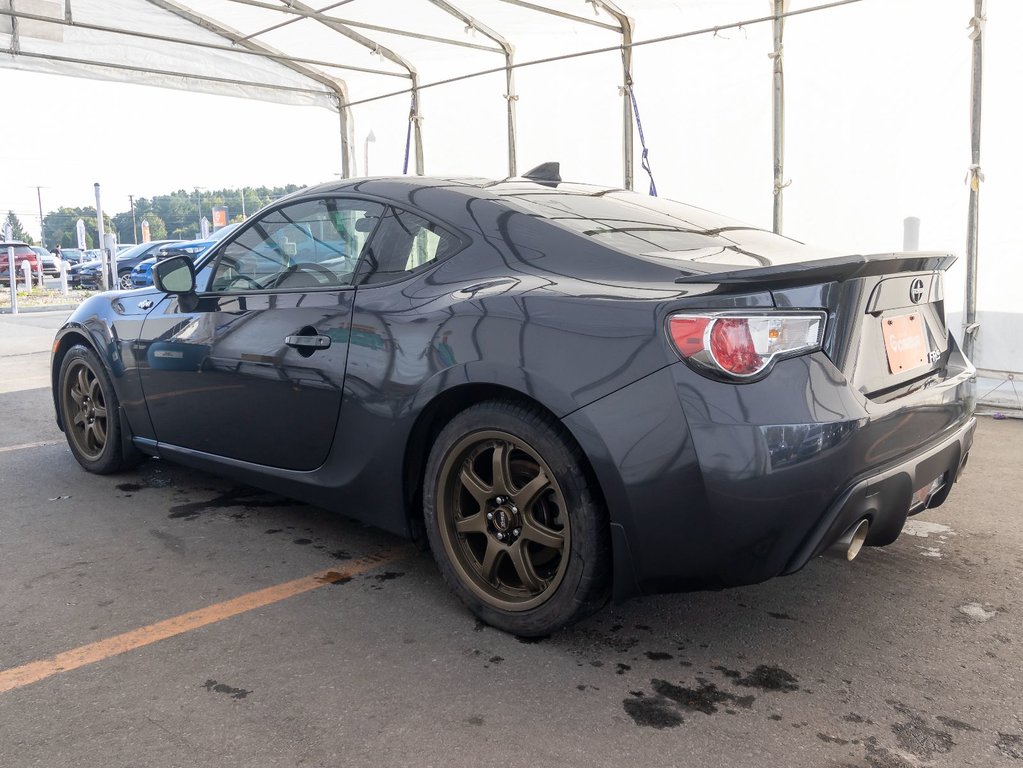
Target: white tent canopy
point(281, 51)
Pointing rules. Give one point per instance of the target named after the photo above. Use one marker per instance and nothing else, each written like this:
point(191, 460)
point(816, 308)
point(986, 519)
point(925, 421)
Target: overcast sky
point(877, 123)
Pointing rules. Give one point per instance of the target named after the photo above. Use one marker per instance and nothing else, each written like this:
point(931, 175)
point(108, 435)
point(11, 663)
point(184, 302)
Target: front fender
point(110, 326)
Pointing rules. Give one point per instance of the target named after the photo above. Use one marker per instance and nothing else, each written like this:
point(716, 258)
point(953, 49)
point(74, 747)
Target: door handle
point(311, 342)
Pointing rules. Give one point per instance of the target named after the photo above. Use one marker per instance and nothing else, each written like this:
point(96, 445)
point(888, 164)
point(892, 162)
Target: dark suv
point(90, 275)
point(22, 253)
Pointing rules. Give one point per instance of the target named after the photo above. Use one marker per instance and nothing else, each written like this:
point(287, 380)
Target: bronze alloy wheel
point(85, 409)
point(503, 520)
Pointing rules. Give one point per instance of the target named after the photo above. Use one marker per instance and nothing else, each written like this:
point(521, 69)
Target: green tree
point(60, 227)
point(157, 228)
point(17, 230)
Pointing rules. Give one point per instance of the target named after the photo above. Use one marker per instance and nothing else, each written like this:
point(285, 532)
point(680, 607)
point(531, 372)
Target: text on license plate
point(905, 341)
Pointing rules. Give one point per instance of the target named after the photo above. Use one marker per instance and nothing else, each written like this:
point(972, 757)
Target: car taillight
point(743, 346)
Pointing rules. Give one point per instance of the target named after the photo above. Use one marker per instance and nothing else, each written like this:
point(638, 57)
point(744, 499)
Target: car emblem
point(502, 520)
point(916, 291)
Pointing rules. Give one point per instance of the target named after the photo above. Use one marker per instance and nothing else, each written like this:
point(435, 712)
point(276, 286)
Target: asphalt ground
point(166, 617)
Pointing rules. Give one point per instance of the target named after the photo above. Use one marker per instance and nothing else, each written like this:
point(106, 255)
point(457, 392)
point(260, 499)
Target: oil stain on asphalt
point(234, 693)
point(664, 708)
point(239, 496)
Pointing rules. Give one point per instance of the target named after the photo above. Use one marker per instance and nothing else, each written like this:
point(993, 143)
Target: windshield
point(223, 232)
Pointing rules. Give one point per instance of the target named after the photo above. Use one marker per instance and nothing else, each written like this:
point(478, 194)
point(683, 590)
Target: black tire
point(90, 413)
point(527, 571)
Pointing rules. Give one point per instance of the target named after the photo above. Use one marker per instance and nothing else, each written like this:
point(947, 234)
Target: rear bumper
point(710, 484)
point(885, 497)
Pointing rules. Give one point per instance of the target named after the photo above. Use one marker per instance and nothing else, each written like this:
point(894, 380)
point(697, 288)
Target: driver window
point(308, 245)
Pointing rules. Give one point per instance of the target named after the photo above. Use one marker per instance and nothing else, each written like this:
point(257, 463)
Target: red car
point(22, 253)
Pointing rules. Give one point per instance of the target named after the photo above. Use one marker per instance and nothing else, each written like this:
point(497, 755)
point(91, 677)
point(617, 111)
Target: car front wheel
point(515, 527)
point(89, 413)
point(124, 282)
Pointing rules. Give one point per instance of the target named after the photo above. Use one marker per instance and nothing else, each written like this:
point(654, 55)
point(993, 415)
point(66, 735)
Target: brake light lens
point(743, 346)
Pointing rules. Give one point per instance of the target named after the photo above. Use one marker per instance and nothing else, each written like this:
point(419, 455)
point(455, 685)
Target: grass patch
point(43, 297)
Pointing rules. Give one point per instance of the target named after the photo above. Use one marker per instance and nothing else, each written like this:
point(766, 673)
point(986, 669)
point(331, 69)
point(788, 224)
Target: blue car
point(142, 274)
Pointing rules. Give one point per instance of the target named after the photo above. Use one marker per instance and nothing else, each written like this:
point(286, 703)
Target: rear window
point(635, 224)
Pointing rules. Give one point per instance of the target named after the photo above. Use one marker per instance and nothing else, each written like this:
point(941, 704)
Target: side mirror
point(175, 275)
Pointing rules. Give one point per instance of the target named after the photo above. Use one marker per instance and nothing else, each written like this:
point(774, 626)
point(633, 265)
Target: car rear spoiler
point(833, 270)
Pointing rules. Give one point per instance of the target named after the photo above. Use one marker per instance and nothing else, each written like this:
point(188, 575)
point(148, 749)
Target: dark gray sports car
point(572, 392)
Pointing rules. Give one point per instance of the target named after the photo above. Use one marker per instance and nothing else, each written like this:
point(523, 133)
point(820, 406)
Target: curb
point(27, 310)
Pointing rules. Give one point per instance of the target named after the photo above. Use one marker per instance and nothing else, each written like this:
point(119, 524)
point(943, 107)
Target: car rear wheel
point(89, 412)
point(516, 530)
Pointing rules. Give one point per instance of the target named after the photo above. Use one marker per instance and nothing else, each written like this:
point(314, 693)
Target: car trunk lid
point(886, 316)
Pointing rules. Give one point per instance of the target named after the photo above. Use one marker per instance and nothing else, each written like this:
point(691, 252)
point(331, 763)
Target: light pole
point(134, 226)
point(42, 234)
point(198, 197)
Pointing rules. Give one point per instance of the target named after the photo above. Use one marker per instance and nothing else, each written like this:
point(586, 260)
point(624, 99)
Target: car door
point(252, 366)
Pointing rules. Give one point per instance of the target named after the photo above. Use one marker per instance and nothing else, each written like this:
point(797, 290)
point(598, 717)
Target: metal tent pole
point(509, 71)
point(778, 132)
point(626, 26)
point(975, 177)
point(416, 117)
point(335, 84)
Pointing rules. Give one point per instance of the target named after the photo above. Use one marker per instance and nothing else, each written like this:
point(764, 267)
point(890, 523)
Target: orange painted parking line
point(33, 672)
point(23, 446)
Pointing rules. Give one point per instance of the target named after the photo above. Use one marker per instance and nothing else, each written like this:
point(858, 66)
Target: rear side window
point(403, 244)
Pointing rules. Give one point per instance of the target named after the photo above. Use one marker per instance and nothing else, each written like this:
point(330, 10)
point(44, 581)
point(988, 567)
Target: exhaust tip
point(851, 542)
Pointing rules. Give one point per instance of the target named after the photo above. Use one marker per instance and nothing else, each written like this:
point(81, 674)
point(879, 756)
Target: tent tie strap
point(413, 117)
point(976, 26)
point(779, 186)
point(645, 156)
point(973, 177)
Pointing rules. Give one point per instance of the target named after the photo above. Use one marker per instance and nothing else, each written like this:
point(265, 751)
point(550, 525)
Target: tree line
point(174, 216)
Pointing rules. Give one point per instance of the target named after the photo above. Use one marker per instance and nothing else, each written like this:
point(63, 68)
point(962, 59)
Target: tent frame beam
point(336, 85)
point(624, 28)
point(509, 73)
point(235, 49)
point(301, 9)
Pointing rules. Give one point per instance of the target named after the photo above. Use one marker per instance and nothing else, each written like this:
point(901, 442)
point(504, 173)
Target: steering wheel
point(251, 283)
point(308, 266)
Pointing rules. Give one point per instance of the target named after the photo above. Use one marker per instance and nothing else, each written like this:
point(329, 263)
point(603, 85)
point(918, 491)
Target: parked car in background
point(92, 276)
point(569, 391)
point(142, 274)
point(51, 264)
point(73, 255)
point(74, 272)
point(22, 252)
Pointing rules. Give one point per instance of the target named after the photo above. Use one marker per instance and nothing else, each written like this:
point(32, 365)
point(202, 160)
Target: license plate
point(905, 341)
